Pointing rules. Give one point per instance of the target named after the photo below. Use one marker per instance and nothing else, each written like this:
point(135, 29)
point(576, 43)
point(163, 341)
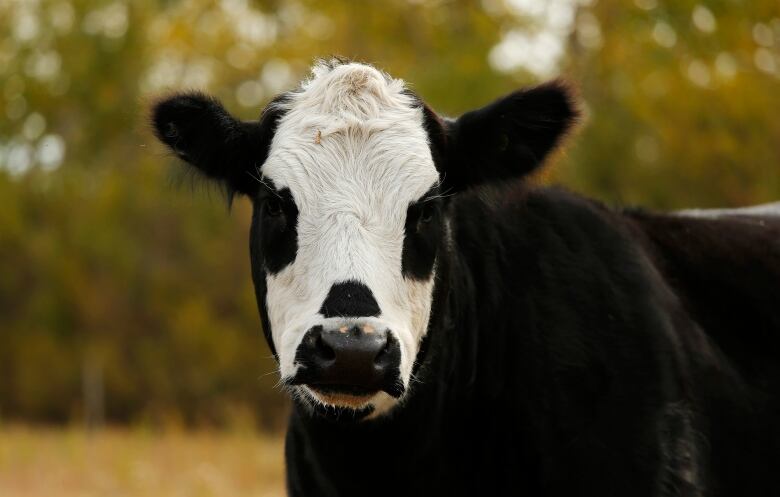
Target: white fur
point(353, 151)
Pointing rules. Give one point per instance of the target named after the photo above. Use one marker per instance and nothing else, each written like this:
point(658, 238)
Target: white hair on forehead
point(350, 96)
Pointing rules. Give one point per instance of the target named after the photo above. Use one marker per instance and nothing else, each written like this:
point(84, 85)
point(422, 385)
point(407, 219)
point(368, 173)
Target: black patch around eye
point(273, 206)
point(423, 233)
point(277, 228)
point(258, 277)
point(427, 212)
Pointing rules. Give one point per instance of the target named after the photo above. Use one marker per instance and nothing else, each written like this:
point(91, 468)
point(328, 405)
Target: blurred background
point(126, 305)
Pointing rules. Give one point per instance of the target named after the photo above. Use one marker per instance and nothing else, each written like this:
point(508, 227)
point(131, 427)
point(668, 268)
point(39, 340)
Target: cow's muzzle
point(350, 363)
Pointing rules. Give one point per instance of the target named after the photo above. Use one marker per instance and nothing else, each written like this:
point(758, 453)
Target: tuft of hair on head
point(352, 92)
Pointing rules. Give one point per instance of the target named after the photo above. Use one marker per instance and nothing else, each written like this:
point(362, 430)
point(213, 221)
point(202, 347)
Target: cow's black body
point(726, 272)
point(571, 350)
point(575, 351)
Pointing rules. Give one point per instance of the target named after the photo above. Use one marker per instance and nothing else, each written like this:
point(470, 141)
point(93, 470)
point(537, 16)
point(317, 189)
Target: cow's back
point(725, 269)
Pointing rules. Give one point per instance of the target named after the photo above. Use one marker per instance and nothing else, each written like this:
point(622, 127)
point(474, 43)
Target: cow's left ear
point(507, 138)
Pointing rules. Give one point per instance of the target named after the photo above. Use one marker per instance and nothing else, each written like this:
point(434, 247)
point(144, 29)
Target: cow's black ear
point(202, 133)
point(509, 137)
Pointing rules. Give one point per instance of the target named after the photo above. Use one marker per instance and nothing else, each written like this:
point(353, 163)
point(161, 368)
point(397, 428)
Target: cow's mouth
point(342, 395)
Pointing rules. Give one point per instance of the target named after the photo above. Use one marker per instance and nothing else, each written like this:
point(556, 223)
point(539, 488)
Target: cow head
point(348, 176)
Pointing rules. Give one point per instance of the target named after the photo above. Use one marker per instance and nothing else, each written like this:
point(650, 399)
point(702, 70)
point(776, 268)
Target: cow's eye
point(427, 212)
point(273, 207)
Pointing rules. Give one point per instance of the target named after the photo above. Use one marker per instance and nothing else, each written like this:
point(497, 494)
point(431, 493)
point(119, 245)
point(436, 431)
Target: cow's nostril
point(388, 353)
point(315, 351)
point(382, 352)
point(323, 350)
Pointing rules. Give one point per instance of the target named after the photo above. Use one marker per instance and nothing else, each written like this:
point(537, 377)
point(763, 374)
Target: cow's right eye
point(273, 207)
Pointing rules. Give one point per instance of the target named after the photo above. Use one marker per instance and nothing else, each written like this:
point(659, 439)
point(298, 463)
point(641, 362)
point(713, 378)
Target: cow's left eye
point(427, 213)
point(273, 207)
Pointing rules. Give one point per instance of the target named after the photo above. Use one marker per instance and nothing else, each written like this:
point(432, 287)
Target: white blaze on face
point(353, 151)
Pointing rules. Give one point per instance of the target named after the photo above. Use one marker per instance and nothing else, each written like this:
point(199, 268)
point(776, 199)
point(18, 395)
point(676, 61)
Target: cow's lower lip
point(342, 396)
point(335, 389)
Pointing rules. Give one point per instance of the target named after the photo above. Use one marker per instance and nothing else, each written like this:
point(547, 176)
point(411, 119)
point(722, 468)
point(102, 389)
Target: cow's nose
point(355, 359)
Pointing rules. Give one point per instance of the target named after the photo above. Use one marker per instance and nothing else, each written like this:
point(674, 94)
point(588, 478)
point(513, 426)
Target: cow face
point(347, 176)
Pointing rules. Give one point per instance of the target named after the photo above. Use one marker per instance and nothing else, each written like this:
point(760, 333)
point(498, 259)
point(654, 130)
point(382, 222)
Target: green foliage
point(680, 108)
point(117, 269)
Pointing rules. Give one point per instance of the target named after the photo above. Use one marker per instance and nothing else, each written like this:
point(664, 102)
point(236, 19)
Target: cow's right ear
point(202, 133)
point(506, 139)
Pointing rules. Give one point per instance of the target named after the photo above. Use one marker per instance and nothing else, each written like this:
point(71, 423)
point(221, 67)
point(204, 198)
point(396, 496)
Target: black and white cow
point(447, 329)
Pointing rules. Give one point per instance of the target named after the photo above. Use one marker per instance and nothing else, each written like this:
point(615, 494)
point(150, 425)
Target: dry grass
point(138, 463)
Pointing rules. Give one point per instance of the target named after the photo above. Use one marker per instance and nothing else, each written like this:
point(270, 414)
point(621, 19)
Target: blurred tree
point(116, 270)
point(678, 97)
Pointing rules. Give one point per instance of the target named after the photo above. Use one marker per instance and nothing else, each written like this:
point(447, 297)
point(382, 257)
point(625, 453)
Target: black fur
point(201, 132)
point(273, 242)
point(277, 224)
point(349, 299)
point(726, 272)
point(506, 139)
point(259, 275)
point(423, 234)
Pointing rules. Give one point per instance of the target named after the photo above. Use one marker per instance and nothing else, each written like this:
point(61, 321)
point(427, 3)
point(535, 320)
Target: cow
point(445, 326)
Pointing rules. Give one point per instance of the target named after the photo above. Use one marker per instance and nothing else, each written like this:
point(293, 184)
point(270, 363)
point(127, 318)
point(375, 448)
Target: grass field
point(46, 462)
